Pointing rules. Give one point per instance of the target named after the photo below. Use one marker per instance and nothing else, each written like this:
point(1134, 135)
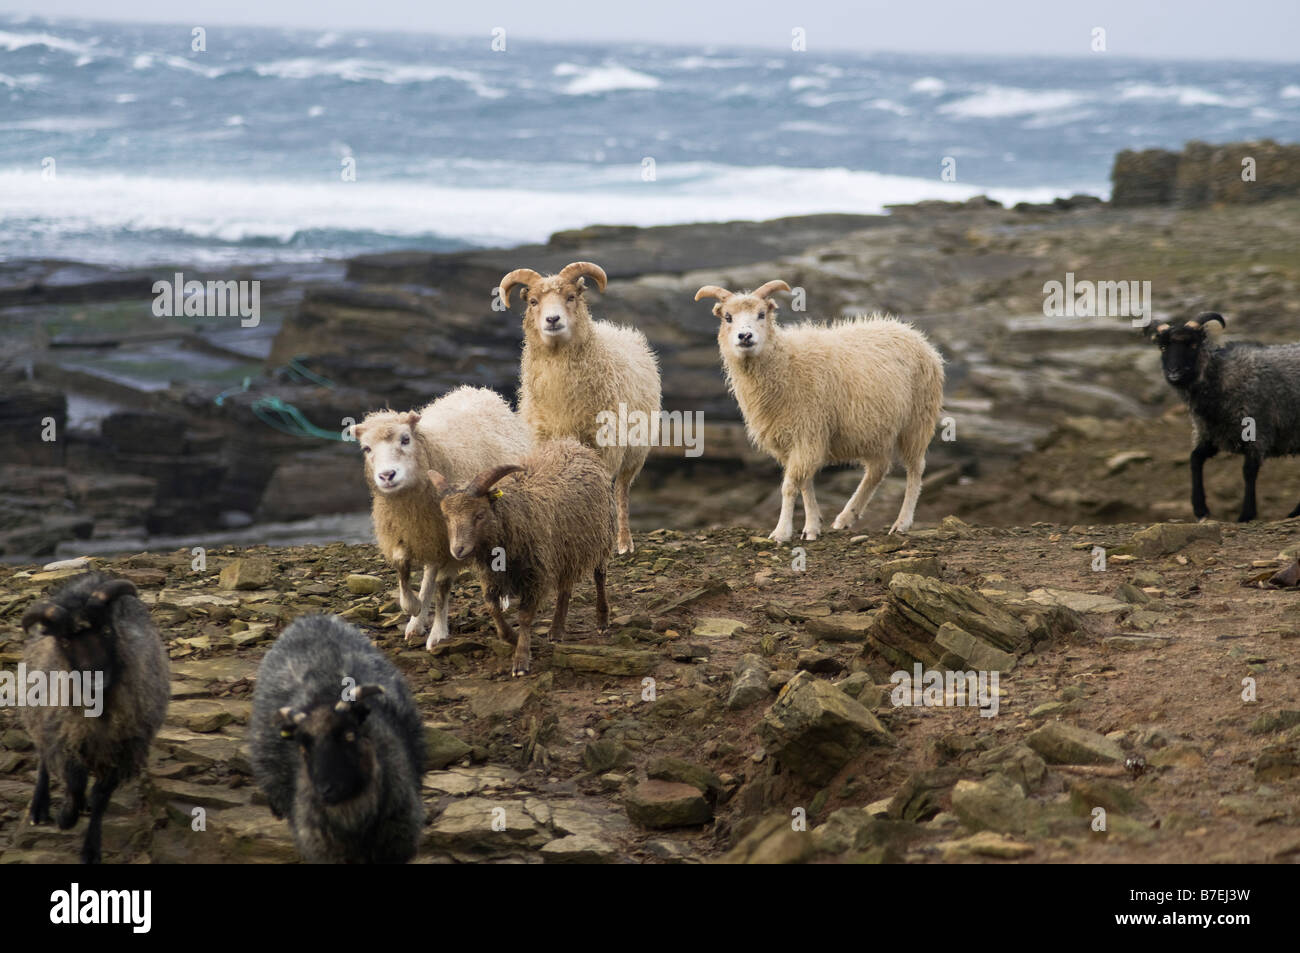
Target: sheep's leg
point(441, 608)
point(405, 595)
point(523, 662)
point(785, 524)
point(812, 513)
point(40, 812)
point(419, 623)
point(561, 614)
point(499, 617)
point(75, 776)
point(99, 796)
point(1201, 453)
point(621, 488)
point(1294, 512)
point(872, 475)
point(1249, 470)
point(915, 471)
point(602, 604)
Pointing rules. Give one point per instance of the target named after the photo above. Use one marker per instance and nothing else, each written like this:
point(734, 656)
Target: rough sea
point(122, 144)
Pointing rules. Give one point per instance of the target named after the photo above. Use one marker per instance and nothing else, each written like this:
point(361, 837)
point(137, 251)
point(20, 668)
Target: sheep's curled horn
point(768, 287)
point(59, 621)
point(520, 276)
point(480, 485)
point(528, 277)
point(54, 617)
point(1205, 318)
point(359, 694)
point(584, 269)
point(713, 291)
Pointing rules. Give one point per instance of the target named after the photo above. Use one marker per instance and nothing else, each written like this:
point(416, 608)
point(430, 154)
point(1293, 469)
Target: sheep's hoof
point(625, 546)
point(40, 815)
point(434, 639)
point(842, 523)
point(900, 529)
point(68, 816)
point(809, 535)
point(779, 536)
point(520, 669)
point(90, 854)
point(414, 629)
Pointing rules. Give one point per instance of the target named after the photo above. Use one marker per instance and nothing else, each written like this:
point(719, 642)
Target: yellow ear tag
point(497, 494)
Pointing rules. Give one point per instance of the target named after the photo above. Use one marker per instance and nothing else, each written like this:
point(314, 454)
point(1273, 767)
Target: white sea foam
point(147, 61)
point(64, 124)
point(25, 81)
point(706, 62)
point(1183, 95)
point(17, 41)
point(355, 70)
point(541, 201)
point(998, 101)
point(606, 78)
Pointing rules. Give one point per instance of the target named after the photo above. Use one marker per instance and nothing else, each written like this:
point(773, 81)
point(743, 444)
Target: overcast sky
point(1183, 29)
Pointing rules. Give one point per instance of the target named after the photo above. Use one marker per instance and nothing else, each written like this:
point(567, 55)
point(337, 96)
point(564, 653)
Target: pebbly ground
point(1151, 673)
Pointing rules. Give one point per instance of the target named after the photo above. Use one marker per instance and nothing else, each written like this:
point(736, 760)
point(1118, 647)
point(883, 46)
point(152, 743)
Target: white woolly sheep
point(461, 433)
point(574, 368)
point(863, 390)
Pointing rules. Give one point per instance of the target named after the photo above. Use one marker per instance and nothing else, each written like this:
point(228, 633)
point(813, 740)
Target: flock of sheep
point(533, 502)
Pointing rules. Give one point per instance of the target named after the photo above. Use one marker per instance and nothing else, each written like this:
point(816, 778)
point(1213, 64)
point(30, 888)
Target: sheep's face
point(80, 620)
point(745, 324)
point(1179, 349)
point(388, 446)
point(556, 311)
point(469, 522)
point(335, 752)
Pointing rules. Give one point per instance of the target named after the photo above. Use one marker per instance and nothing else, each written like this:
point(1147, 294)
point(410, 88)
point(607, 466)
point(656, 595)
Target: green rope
point(221, 398)
point(286, 418)
point(282, 415)
point(300, 370)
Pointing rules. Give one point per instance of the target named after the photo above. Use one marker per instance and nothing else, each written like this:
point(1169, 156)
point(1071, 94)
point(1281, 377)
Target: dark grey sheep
point(94, 624)
point(337, 745)
point(1243, 397)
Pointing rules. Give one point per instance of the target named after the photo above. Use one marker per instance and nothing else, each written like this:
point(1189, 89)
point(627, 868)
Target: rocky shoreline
point(244, 438)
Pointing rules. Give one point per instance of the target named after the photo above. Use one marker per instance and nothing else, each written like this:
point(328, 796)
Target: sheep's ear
point(772, 306)
point(439, 482)
point(412, 419)
point(717, 310)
